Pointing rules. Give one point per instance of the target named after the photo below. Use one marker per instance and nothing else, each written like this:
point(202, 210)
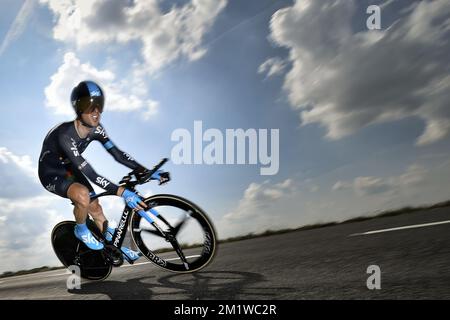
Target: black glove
point(142, 174)
point(164, 177)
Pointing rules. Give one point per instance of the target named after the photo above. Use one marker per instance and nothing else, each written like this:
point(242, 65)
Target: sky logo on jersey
point(102, 181)
point(74, 148)
point(99, 130)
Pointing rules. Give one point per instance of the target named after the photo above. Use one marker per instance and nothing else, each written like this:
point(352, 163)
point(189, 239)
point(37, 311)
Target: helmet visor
point(88, 104)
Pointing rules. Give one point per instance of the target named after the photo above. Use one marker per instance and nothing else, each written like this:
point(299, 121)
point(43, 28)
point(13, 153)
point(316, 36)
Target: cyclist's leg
point(79, 195)
point(96, 212)
point(54, 179)
point(94, 209)
point(60, 180)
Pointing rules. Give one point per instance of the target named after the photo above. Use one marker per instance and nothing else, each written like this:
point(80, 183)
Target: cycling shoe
point(85, 235)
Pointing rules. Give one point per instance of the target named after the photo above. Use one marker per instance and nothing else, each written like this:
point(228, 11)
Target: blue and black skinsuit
point(61, 162)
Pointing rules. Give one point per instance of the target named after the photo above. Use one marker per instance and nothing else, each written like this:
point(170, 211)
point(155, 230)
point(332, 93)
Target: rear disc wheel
point(70, 251)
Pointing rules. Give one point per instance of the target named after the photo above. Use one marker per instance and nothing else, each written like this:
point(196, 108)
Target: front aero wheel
point(189, 240)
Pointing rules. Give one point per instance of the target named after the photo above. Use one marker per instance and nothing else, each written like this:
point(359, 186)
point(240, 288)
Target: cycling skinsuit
point(61, 163)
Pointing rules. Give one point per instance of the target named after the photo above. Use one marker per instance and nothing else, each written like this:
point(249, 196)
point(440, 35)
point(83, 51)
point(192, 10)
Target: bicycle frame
point(119, 234)
point(96, 265)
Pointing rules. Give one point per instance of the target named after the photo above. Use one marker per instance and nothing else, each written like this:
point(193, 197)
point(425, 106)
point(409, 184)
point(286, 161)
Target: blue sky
point(362, 114)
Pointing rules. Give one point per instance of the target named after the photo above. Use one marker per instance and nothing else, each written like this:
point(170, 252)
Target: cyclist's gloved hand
point(162, 176)
point(132, 199)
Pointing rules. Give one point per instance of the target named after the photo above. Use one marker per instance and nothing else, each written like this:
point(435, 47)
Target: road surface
point(412, 252)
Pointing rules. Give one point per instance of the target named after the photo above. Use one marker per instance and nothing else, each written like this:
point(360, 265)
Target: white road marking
point(186, 257)
point(136, 264)
point(401, 228)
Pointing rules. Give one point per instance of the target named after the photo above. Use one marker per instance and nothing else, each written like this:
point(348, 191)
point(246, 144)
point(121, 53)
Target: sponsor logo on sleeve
point(99, 130)
point(130, 158)
point(102, 182)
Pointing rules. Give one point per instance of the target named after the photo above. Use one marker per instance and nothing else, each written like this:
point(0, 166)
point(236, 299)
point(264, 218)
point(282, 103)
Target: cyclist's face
point(92, 116)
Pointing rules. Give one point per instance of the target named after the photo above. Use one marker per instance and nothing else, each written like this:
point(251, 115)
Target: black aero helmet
point(85, 95)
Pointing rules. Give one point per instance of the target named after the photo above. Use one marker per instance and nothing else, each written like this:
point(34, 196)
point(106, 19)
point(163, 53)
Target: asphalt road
point(324, 263)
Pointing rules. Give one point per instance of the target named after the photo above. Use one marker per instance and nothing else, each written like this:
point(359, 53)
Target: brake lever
point(125, 179)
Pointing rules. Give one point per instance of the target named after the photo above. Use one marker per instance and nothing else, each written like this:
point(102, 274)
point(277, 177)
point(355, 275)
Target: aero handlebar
point(128, 183)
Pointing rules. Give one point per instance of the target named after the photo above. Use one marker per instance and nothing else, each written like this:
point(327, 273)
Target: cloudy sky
point(363, 115)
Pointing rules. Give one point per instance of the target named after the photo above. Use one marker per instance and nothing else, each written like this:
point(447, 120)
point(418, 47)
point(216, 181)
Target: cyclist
point(63, 170)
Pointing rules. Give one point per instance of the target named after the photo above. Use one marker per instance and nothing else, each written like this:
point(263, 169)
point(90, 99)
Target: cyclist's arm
point(79, 162)
point(120, 156)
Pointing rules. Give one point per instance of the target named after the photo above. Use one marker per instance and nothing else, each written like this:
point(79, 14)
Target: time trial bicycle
point(173, 233)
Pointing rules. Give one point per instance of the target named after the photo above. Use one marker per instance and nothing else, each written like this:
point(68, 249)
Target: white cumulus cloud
point(164, 36)
point(260, 208)
point(272, 66)
point(345, 80)
point(23, 163)
point(294, 203)
point(26, 226)
point(369, 185)
point(121, 95)
point(18, 174)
